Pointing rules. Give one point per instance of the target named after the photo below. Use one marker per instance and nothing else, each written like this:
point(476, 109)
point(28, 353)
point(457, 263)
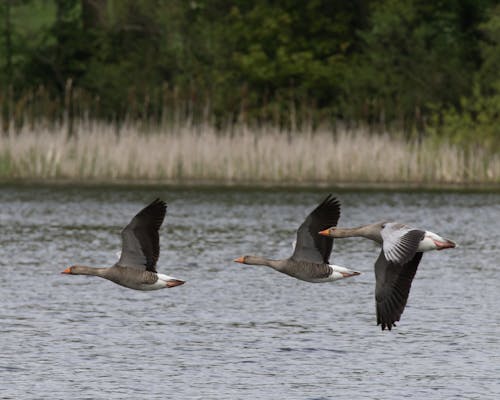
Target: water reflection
point(235, 331)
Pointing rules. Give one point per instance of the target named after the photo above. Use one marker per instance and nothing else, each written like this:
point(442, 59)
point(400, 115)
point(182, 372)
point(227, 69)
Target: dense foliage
point(414, 66)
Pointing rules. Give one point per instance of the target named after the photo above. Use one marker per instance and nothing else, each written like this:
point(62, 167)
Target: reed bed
point(98, 152)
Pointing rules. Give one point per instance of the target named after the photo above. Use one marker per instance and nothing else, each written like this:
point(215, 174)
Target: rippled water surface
point(235, 331)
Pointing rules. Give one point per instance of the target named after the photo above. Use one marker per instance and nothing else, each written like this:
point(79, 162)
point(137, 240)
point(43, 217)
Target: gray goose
point(136, 268)
point(310, 259)
point(396, 265)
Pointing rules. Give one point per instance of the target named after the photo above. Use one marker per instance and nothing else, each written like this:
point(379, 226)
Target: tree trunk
point(93, 13)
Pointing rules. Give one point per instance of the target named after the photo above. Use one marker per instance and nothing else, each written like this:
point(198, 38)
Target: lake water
point(235, 331)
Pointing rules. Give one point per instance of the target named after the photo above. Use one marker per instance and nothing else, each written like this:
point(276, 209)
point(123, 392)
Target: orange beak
point(326, 232)
point(239, 260)
point(67, 271)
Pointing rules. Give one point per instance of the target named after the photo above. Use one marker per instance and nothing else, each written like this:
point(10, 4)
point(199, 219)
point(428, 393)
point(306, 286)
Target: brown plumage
point(136, 268)
point(310, 259)
point(397, 263)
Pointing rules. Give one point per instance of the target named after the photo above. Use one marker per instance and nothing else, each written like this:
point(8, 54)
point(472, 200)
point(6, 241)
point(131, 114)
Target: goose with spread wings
point(310, 259)
point(136, 268)
point(396, 265)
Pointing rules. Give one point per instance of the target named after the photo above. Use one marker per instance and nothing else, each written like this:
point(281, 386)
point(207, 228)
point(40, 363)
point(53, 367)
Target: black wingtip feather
point(157, 203)
point(145, 226)
point(311, 246)
point(326, 215)
point(331, 201)
point(156, 209)
point(391, 305)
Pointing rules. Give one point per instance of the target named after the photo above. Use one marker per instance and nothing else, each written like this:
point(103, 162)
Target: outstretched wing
point(140, 239)
point(393, 283)
point(400, 242)
point(310, 246)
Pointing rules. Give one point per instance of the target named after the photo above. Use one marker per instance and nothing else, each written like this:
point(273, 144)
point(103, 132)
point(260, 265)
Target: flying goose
point(395, 268)
point(136, 267)
point(310, 259)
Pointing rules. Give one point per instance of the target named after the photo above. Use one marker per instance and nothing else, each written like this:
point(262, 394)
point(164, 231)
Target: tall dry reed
point(183, 152)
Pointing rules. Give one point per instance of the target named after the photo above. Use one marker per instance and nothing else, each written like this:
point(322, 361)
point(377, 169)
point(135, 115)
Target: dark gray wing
point(393, 283)
point(140, 239)
point(310, 245)
point(400, 242)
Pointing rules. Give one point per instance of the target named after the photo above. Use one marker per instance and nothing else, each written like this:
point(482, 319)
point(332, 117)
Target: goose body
point(397, 263)
point(310, 259)
point(136, 267)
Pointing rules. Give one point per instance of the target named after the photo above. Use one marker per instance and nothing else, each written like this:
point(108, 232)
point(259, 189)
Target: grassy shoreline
point(251, 185)
point(183, 154)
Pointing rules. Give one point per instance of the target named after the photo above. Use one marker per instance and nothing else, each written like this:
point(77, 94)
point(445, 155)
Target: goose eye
point(383, 226)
